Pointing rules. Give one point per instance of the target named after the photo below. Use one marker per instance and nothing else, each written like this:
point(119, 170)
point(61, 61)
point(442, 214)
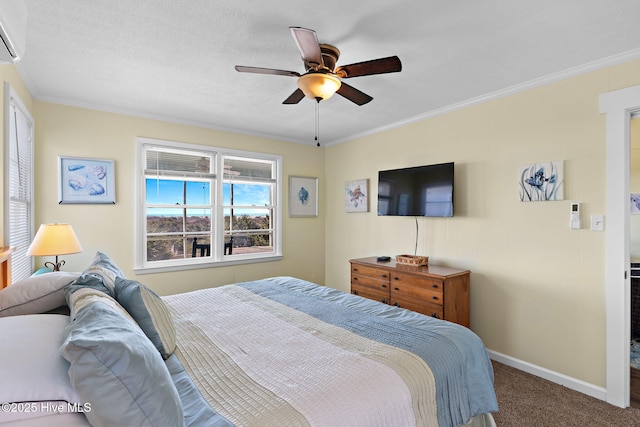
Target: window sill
point(212, 264)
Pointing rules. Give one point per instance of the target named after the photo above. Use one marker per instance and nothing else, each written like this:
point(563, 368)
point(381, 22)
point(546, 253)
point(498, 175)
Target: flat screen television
point(416, 191)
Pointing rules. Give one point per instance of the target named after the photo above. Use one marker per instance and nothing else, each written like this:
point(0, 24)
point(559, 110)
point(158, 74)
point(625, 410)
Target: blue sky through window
point(172, 192)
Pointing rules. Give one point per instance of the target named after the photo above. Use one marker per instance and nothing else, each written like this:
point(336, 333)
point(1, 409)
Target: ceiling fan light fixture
point(319, 86)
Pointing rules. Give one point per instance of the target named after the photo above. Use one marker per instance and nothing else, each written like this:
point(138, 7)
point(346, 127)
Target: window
point(247, 198)
point(19, 179)
point(202, 206)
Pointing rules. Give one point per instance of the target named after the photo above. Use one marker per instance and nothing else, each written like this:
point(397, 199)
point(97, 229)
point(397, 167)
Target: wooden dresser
point(436, 291)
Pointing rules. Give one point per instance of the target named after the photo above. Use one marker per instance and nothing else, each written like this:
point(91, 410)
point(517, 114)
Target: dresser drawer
point(370, 293)
point(435, 285)
point(418, 294)
point(401, 290)
point(426, 308)
point(369, 282)
point(363, 270)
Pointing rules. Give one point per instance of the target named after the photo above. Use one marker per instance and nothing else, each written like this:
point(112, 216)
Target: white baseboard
point(555, 377)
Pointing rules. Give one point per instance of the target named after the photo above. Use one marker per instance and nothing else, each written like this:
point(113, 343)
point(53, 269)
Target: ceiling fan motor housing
point(330, 55)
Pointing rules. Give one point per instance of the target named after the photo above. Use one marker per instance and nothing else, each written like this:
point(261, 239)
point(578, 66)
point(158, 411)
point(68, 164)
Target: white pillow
point(31, 367)
point(37, 294)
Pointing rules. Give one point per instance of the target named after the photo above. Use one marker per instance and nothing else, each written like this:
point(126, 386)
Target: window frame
point(217, 258)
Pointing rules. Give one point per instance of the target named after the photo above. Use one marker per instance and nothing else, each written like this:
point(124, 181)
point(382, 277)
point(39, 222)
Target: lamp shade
point(54, 239)
point(319, 86)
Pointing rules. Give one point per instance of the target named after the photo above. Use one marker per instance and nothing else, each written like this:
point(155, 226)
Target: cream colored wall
point(9, 74)
point(70, 131)
point(537, 286)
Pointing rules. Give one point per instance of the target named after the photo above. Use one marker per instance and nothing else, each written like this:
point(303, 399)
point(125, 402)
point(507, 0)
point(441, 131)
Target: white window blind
point(20, 179)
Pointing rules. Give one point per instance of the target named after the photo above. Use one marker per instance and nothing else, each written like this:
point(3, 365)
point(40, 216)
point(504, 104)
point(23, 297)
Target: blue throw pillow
point(115, 368)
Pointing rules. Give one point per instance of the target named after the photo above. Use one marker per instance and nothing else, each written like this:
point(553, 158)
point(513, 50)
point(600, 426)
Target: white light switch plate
point(597, 222)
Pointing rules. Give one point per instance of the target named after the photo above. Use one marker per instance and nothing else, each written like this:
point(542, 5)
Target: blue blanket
point(457, 356)
point(461, 368)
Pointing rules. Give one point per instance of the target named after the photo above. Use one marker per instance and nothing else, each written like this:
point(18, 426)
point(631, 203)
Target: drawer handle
point(435, 315)
point(434, 298)
point(396, 278)
point(383, 276)
point(355, 269)
point(434, 286)
point(355, 292)
point(384, 300)
point(396, 289)
point(396, 304)
point(355, 279)
point(384, 286)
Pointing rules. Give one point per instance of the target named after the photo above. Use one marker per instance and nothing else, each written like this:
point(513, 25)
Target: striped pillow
point(104, 269)
point(151, 313)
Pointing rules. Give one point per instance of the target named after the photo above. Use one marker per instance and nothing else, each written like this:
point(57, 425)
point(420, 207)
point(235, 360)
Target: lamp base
point(56, 266)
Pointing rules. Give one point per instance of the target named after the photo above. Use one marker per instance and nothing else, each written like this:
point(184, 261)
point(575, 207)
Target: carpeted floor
point(525, 400)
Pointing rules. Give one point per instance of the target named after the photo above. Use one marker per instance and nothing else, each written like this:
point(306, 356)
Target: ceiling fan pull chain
point(318, 122)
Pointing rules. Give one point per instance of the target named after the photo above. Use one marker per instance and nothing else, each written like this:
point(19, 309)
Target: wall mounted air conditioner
point(13, 27)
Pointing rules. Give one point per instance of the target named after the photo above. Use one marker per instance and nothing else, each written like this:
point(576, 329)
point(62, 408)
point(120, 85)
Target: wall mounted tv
point(416, 191)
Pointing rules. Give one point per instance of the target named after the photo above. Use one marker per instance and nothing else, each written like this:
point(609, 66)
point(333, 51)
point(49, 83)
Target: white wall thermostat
point(575, 215)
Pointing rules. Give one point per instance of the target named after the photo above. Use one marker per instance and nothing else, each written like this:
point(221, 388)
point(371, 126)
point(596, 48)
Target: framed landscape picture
point(85, 180)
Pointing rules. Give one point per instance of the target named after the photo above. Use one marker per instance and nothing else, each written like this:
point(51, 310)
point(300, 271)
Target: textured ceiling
point(174, 59)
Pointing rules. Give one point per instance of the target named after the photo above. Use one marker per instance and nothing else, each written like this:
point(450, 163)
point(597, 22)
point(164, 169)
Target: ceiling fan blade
point(390, 64)
point(259, 70)
point(353, 94)
point(307, 43)
point(295, 97)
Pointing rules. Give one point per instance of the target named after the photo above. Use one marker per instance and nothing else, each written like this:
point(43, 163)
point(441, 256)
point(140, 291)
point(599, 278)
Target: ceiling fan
point(322, 78)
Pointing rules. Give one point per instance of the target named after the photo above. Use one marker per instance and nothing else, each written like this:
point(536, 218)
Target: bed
point(96, 348)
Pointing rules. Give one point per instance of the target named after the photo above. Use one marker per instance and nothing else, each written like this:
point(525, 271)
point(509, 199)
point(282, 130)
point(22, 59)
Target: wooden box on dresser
point(441, 292)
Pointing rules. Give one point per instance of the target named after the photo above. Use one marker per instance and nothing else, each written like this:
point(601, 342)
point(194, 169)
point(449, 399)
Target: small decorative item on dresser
point(414, 260)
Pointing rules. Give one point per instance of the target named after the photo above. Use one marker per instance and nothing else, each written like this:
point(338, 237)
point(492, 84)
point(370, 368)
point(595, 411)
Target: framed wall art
point(541, 182)
point(303, 196)
point(635, 203)
point(85, 180)
point(356, 196)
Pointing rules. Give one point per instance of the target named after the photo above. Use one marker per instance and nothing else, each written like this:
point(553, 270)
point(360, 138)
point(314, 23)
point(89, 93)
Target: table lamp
point(54, 239)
